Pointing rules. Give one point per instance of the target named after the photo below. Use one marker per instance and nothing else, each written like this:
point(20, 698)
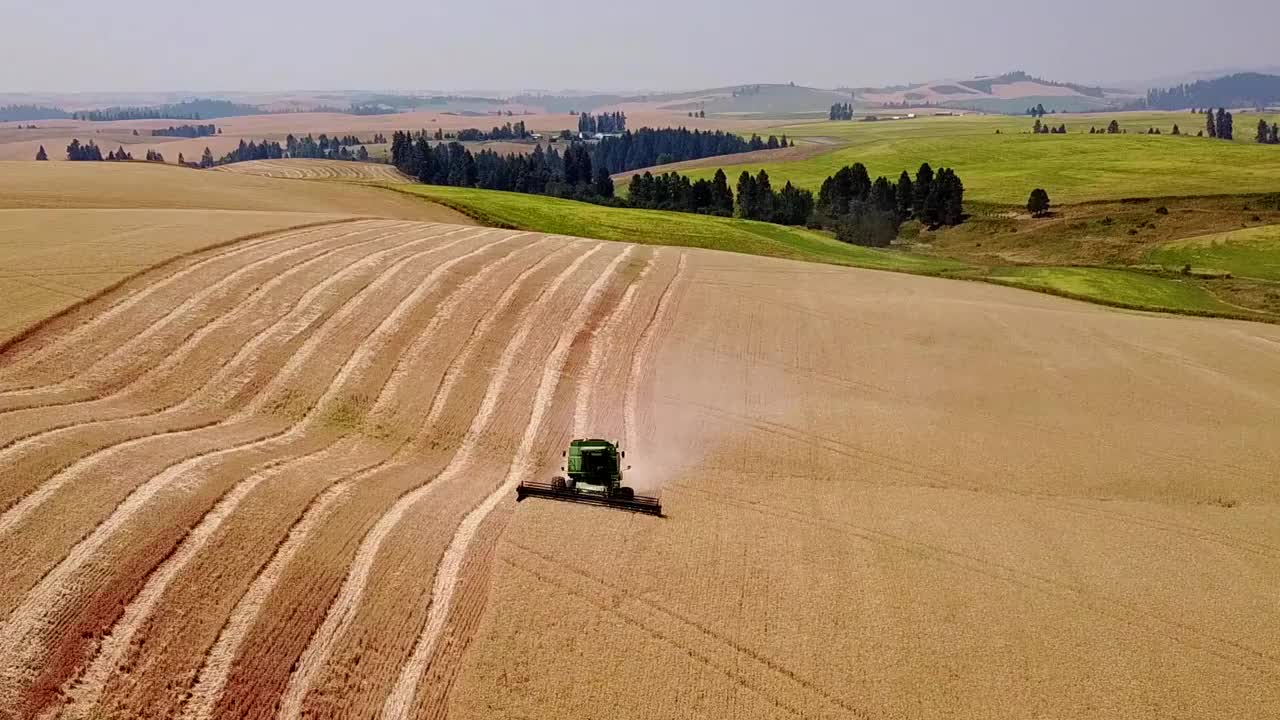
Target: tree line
point(10, 113)
point(508, 131)
point(186, 131)
point(841, 111)
point(1219, 126)
point(615, 122)
point(1046, 129)
point(571, 175)
point(1238, 90)
point(867, 212)
point(647, 147)
point(90, 152)
point(1268, 135)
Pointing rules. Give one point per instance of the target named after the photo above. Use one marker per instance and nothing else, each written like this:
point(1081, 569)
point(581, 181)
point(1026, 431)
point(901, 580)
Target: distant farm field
point(1005, 167)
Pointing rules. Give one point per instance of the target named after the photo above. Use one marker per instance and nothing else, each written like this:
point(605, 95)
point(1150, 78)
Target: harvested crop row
point(308, 169)
point(285, 411)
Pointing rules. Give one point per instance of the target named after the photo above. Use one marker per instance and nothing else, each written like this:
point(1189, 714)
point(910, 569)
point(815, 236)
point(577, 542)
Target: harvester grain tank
point(593, 475)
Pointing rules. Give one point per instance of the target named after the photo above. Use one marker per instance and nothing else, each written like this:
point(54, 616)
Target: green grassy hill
point(1077, 167)
point(656, 227)
point(1249, 253)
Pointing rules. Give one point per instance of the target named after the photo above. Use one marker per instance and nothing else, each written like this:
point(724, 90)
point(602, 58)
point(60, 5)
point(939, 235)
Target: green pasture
point(1122, 288)
point(1248, 253)
point(1076, 167)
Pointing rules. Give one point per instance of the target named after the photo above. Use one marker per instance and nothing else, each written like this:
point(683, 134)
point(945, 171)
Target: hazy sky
point(77, 45)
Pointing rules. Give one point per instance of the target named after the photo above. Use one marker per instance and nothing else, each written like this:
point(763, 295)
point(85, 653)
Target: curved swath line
point(595, 361)
point(641, 359)
point(20, 638)
point(399, 703)
point(130, 346)
point(33, 500)
point(84, 695)
point(342, 611)
point(183, 351)
point(304, 306)
point(88, 689)
point(128, 303)
point(217, 665)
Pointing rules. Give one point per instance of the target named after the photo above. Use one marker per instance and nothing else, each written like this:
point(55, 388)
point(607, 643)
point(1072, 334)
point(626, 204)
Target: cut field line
point(342, 610)
point(400, 702)
point(33, 617)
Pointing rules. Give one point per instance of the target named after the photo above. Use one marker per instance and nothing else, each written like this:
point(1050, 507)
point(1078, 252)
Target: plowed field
point(275, 479)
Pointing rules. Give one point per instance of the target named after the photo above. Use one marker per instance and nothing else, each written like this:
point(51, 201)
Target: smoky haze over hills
point(152, 45)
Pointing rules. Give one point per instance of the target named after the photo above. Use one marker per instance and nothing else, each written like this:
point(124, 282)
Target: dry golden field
point(85, 185)
point(302, 169)
point(274, 479)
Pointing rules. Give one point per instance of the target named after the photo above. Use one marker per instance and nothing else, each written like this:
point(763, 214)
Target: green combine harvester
point(593, 476)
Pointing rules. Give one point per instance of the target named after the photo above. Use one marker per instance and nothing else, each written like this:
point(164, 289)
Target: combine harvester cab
point(593, 475)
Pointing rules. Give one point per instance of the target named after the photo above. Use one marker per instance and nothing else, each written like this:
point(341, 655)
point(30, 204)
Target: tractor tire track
point(1139, 619)
point(700, 628)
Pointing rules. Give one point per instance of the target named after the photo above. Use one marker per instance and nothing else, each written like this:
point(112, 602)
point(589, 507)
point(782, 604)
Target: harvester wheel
point(557, 484)
point(625, 493)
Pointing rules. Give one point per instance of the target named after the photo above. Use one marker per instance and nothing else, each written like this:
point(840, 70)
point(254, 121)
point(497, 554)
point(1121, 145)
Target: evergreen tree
point(1176, 131)
point(1264, 132)
point(924, 183)
point(206, 160)
point(181, 160)
point(1113, 128)
point(765, 199)
point(41, 155)
point(748, 206)
point(721, 195)
point(1038, 203)
point(1224, 124)
point(603, 184)
point(906, 195)
point(1210, 126)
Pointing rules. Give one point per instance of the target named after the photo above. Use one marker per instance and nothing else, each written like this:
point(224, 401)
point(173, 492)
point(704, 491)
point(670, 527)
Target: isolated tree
point(41, 155)
point(1035, 129)
point(1038, 203)
point(1176, 131)
point(1264, 132)
point(181, 160)
point(1113, 127)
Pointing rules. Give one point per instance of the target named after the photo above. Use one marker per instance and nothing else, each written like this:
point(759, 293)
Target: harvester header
point(593, 475)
